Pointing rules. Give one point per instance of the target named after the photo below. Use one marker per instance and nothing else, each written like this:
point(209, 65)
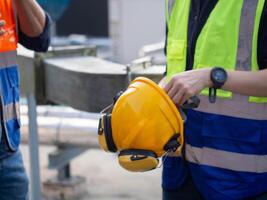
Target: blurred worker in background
point(218, 45)
point(24, 22)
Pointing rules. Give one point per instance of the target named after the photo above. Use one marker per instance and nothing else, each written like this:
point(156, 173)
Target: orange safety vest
point(8, 41)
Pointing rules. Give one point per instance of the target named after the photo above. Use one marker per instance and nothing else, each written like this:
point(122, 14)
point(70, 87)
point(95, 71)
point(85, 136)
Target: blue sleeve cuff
point(39, 43)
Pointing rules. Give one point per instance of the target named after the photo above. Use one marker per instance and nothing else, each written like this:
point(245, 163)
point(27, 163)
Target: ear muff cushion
point(138, 160)
point(108, 134)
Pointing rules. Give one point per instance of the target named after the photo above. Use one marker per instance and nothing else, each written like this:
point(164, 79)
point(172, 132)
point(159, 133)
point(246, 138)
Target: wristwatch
point(218, 77)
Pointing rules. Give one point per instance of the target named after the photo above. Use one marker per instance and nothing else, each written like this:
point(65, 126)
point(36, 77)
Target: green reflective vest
point(227, 39)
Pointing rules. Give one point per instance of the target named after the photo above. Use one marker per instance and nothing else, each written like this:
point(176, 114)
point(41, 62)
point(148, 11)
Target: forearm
point(184, 85)
point(247, 83)
point(31, 17)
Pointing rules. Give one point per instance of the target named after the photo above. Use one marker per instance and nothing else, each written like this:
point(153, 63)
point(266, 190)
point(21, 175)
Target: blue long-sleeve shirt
point(39, 43)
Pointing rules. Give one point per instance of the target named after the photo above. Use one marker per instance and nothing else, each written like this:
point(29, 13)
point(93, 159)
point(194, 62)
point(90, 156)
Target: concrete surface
point(106, 180)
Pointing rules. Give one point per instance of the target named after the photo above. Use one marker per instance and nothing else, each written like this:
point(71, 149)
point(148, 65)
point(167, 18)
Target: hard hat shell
point(144, 117)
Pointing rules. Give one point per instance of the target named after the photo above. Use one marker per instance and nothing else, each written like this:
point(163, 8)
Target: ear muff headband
point(108, 134)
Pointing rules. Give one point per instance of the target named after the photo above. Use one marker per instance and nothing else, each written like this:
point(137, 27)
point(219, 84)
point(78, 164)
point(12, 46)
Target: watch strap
point(212, 95)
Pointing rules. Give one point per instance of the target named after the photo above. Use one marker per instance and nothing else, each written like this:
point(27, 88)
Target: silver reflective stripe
point(11, 111)
point(245, 44)
point(169, 7)
point(236, 107)
point(246, 30)
point(227, 160)
point(8, 59)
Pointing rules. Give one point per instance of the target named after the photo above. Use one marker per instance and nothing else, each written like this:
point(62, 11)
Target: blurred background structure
point(123, 26)
point(98, 47)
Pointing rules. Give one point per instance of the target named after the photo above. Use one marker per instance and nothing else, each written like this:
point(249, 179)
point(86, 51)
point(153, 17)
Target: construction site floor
point(105, 179)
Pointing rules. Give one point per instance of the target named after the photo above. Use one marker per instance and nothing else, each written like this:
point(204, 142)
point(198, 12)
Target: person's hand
point(184, 85)
point(162, 82)
point(2, 24)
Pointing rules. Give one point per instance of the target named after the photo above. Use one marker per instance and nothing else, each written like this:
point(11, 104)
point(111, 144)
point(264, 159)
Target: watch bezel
point(217, 84)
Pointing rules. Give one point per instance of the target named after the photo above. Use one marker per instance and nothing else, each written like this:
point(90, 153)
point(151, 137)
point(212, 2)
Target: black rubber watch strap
point(212, 95)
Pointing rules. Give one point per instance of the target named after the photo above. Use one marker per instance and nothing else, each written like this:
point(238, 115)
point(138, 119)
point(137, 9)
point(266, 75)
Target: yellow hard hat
point(143, 125)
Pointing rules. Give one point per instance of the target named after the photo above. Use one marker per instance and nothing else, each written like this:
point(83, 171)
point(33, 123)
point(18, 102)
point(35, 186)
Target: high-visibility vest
point(229, 39)
point(9, 81)
point(226, 143)
point(9, 40)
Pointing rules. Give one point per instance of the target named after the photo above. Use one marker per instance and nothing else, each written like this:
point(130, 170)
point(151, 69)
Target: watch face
point(219, 76)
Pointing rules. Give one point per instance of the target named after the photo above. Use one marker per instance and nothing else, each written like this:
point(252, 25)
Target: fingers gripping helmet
point(142, 126)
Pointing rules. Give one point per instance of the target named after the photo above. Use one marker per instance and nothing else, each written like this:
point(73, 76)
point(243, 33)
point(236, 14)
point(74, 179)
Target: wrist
point(207, 83)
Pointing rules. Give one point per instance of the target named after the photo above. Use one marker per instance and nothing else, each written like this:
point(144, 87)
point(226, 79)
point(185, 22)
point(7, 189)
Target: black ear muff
point(108, 133)
point(172, 144)
point(136, 160)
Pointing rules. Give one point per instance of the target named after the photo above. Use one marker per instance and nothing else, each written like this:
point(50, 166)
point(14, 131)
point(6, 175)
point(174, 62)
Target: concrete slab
point(106, 180)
